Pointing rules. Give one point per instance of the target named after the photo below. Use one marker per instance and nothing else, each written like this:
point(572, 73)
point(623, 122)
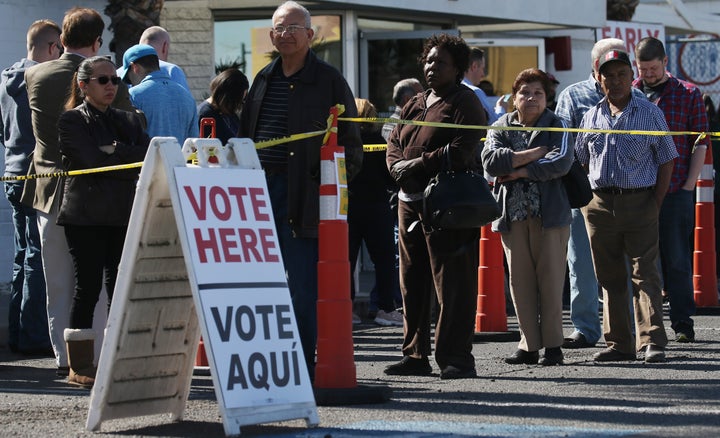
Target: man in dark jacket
point(292, 95)
point(27, 323)
point(48, 84)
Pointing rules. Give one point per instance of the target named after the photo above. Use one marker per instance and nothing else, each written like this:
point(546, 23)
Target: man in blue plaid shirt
point(684, 110)
point(629, 174)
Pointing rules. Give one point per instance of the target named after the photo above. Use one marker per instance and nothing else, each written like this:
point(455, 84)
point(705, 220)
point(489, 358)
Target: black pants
point(95, 250)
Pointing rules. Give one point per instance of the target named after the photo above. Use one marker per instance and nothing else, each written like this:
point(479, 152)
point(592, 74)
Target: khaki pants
point(537, 260)
point(620, 226)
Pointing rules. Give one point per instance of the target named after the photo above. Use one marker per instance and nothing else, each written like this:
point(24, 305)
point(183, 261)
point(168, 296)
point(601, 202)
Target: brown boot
point(80, 348)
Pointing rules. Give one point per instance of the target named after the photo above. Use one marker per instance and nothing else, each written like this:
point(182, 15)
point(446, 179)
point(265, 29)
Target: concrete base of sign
point(370, 394)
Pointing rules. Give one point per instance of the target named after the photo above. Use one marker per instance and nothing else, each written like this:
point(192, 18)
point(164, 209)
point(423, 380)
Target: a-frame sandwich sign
point(202, 257)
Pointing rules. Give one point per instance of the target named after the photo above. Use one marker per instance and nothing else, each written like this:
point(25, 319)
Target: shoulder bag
point(577, 185)
point(456, 200)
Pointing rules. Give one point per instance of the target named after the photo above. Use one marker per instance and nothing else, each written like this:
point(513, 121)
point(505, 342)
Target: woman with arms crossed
point(95, 208)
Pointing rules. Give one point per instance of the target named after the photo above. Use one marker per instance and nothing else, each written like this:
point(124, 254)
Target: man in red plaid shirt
point(684, 110)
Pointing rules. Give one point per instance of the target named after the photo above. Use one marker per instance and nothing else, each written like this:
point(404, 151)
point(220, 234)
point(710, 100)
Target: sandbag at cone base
point(81, 353)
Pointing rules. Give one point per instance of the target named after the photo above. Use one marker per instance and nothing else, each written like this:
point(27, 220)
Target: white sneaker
point(389, 318)
point(356, 319)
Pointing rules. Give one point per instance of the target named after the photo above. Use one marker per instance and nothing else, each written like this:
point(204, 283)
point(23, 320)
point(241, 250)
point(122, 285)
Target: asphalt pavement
point(579, 399)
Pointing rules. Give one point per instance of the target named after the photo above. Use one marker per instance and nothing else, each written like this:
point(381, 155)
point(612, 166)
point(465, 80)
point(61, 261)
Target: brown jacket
point(461, 107)
point(49, 84)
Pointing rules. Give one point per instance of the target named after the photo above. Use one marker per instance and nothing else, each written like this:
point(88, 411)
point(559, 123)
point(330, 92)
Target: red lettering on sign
point(199, 209)
point(257, 203)
point(227, 244)
point(204, 245)
point(220, 208)
point(217, 245)
point(238, 193)
point(223, 201)
point(267, 244)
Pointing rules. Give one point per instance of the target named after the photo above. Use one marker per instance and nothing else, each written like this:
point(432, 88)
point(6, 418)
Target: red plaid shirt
point(684, 110)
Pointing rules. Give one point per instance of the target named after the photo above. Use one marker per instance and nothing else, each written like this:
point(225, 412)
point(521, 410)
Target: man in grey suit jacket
point(48, 86)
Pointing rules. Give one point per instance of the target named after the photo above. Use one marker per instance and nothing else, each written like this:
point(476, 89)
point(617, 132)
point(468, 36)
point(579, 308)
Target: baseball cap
point(613, 55)
point(133, 54)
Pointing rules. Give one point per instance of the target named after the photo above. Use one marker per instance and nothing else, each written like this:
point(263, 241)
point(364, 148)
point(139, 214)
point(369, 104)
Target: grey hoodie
point(16, 133)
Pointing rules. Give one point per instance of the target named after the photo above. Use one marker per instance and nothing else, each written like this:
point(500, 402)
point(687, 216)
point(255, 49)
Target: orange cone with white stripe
point(704, 269)
point(335, 366)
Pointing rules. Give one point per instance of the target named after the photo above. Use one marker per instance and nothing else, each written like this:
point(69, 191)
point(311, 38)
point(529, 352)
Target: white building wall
point(15, 18)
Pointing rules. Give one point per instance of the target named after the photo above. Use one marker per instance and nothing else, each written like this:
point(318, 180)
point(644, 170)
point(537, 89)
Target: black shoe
point(576, 340)
point(552, 356)
point(654, 354)
point(452, 372)
point(409, 366)
point(612, 355)
point(523, 357)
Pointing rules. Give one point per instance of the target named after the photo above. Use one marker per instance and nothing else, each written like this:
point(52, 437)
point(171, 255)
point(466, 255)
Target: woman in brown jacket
point(442, 260)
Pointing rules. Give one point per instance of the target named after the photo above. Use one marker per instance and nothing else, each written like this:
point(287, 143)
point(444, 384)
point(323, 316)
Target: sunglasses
point(103, 80)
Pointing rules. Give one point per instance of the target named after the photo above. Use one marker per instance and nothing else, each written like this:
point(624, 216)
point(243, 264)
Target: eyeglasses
point(280, 29)
point(100, 41)
point(103, 80)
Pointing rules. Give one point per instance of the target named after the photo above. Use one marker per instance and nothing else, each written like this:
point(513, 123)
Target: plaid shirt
point(684, 110)
point(627, 161)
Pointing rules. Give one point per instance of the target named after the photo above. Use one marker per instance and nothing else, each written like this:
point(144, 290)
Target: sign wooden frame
point(158, 315)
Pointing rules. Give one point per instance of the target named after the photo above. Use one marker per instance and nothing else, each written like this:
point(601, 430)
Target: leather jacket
point(320, 86)
point(103, 198)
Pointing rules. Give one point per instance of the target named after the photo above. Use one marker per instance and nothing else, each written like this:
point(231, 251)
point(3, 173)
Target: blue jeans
point(583, 285)
point(300, 258)
point(28, 320)
point(676, 224)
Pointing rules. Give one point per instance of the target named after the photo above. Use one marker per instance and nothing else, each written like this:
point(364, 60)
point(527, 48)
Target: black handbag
point(577, 186)
point(455, 200)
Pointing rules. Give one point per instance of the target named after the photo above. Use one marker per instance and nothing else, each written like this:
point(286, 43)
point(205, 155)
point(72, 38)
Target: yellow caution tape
point(372, 147)
point(519, 128)
point(73, 172)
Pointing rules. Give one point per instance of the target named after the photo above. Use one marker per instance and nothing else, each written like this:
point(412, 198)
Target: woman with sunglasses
point(95, 208)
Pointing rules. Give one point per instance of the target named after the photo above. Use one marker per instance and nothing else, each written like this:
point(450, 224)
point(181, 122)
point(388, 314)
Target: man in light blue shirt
point(169, 108)
point(159, 39)
point(474, 74)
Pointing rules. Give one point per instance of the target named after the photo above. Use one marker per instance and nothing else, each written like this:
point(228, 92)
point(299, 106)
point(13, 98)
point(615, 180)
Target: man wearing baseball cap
point(629, 175)
point(169, 108)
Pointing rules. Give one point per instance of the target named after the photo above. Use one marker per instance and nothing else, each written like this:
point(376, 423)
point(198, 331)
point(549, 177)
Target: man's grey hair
point(291, 5)
point(405, 88)
point(603, 46)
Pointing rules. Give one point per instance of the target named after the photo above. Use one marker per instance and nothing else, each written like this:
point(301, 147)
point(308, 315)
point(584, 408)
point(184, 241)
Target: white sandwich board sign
point(202, 255)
